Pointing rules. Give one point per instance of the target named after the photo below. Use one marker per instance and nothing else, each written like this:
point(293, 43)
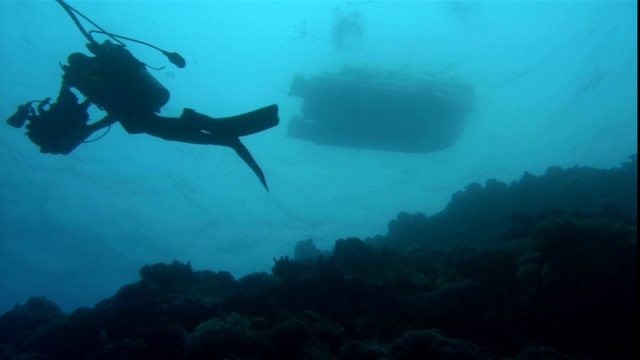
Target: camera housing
point(18, 119)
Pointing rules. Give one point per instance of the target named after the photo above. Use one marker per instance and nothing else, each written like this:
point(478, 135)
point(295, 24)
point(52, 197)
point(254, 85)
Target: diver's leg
point(193, 127)
point(190, 132)
point(175, 129)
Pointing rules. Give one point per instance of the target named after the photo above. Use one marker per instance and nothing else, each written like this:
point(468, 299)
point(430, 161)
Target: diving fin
point(244, 153)
point(253, 121)
point(226, 131)
point(238, 125)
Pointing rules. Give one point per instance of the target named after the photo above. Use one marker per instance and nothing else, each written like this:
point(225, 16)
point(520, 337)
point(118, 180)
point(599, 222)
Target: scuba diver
point(118, 83)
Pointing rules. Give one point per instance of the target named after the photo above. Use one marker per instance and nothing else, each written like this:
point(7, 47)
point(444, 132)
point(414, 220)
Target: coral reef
point(558, 284)
point(480, 215)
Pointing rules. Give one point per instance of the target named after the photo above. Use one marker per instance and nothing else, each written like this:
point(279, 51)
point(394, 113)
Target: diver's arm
point(102, 123)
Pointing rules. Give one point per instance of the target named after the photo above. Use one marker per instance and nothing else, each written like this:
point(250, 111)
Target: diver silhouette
point(118, 83)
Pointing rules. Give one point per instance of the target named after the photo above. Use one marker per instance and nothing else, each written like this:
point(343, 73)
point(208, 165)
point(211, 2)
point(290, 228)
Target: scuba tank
point(115, 80)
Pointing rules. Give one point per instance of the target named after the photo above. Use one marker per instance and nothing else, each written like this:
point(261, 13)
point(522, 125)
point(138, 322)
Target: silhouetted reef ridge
point(479, 215)
point(550, 272)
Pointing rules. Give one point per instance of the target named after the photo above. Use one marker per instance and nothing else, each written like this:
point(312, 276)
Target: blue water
point(555, 84)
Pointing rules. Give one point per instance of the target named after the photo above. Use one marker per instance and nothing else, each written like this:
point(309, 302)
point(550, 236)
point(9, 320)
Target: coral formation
point(480, 215)
point(559, 284)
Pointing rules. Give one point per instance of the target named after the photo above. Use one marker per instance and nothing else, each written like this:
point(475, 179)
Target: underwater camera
point(25, 111)
point(18, 119)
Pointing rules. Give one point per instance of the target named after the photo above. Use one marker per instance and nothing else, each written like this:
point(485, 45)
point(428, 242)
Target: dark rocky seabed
point(543, 268)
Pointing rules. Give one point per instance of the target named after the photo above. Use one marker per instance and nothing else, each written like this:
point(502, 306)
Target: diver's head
point(78, 60)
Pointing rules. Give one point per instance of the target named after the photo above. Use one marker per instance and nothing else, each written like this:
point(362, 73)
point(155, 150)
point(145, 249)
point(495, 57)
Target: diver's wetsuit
point(120, 84)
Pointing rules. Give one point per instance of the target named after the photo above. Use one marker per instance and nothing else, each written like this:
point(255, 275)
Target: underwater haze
point(555, 83)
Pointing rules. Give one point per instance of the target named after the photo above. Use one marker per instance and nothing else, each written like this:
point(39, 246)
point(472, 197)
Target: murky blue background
point(555, 84)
